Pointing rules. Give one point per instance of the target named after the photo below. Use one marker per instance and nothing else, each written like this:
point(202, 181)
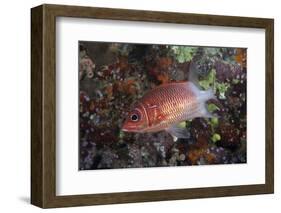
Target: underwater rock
point(230, 136)
point(86, 67)
point(101, 52)
point(87, 156)
point(107, 159)
point(150, 155)
point(177, 74)
point(200, 131)
point(208, 155)
point(240, 57)
point(155, 144)
point(135, 156)
point(226, 72)
point(222, 156)
point(202, 65)
point(163, 78)
point(239, 90)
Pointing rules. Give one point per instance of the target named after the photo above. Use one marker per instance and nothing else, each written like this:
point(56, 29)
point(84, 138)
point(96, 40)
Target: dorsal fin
point(193, 74)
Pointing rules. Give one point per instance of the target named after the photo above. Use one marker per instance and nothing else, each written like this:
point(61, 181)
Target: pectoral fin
point(178, 132)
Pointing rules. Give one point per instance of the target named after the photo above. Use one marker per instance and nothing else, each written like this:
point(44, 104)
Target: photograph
point(157, 105)
point(140, 105)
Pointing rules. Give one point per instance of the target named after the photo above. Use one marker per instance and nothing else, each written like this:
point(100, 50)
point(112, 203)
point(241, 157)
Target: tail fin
point(202, 97)
point(193, 77)
point(206, 95)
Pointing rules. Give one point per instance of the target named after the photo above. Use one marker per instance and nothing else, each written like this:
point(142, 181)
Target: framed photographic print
point(136, 106)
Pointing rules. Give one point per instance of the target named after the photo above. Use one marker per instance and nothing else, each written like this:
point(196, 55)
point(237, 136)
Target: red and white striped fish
point(167, 105)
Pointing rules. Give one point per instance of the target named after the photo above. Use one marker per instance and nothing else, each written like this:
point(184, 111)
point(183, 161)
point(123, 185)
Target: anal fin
point(178, 132)
point(201, 112)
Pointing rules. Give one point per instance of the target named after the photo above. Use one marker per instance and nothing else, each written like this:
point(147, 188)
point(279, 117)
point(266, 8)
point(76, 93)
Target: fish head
point(136, 120)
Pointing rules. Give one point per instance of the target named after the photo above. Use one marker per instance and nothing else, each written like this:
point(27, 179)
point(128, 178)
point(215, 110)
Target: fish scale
point(173, 102)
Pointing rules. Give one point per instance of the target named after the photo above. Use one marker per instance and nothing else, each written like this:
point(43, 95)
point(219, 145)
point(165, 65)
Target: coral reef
point(112, 76)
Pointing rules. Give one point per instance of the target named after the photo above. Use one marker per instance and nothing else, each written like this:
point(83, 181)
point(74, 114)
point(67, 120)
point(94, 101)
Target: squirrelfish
point(167, 105)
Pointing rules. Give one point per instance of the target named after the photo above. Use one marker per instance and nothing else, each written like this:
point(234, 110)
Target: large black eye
point(134, 117)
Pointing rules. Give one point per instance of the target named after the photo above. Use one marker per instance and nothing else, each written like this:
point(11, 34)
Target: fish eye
point(134, 117)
